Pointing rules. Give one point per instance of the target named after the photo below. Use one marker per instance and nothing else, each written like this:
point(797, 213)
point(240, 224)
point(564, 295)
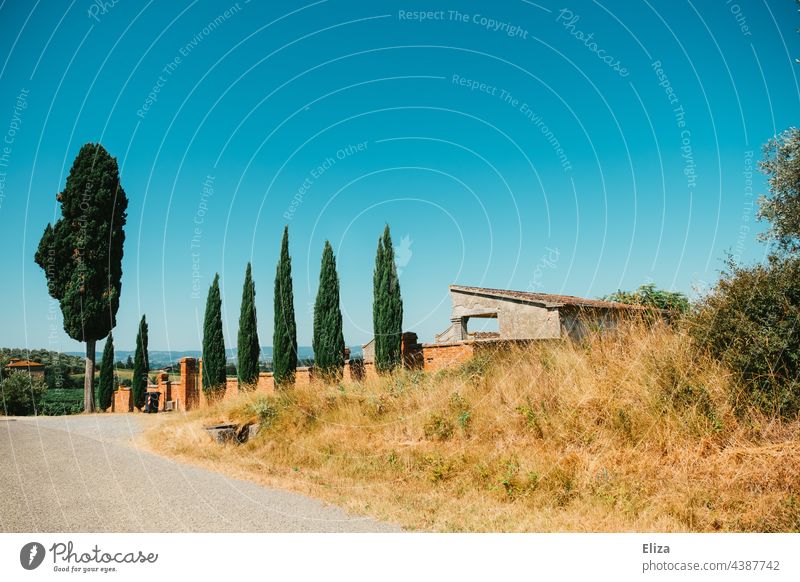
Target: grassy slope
point(625, 432)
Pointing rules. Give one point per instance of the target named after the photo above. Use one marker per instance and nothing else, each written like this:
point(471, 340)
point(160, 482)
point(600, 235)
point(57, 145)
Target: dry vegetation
point(626, 432)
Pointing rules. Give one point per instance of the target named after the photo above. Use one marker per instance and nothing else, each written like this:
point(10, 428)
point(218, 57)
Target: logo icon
point(402, 256)
point(31, 555)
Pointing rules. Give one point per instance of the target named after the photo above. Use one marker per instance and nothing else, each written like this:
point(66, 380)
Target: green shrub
point(751, 322)
point(21, 394)
point(650, 296)
point(60, 401)
point(266, 411)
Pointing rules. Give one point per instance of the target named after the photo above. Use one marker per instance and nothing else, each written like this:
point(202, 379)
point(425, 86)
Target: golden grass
point(624, 432)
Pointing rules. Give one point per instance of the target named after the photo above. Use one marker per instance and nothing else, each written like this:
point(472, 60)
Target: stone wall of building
point(516, 319)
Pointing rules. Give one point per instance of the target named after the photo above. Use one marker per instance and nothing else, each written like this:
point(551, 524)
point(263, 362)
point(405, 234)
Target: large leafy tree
point(387, 306)
point(81, 253)
point(248, 348)
point(105, 386)
point(781, 207)
point(328, 335)
point(141, 366)
point(284, 341)
point(214, 359)
point(749, 320)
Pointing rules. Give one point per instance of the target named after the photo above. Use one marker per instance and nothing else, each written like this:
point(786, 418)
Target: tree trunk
point(88, 382)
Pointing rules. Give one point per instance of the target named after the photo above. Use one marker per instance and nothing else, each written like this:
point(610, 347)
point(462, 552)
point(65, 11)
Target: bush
point(650, 296)
point(751, 322)
point(60, 401)
point(266, 411)
point(21, 394)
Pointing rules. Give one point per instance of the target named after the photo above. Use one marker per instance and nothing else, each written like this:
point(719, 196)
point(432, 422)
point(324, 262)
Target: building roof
point(547, 299)
point(17, 363)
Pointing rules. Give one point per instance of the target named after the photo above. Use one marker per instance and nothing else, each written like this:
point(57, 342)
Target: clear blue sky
point(505, 146)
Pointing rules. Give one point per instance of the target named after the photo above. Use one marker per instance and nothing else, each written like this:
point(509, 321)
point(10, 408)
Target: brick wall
point(188, 393)
point(444, 355)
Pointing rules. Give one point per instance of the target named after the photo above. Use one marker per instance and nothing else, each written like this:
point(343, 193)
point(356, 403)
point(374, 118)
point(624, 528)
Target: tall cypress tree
point(387, 307)
point(248, 348)
point(328, 334)
point(284, 340)
point(81, 254)
point(105, 387)
point(213, 344)
point(141, 366)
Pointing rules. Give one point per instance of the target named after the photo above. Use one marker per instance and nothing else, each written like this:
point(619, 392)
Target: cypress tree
point(105, 386)
point(81, 254)
point(214, 359)
point(387, 307)
point(379, 308)
point(284, 340)
point(328, 335)
point(141, 366)
point(248, 348)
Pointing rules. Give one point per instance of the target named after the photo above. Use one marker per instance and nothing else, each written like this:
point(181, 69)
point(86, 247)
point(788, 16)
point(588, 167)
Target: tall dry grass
point(630, 431)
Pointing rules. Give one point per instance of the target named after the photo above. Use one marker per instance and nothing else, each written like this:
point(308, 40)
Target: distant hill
point(162, 358)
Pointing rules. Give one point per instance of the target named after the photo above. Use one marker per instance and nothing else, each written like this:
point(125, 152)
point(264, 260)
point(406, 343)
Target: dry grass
point(626, 432)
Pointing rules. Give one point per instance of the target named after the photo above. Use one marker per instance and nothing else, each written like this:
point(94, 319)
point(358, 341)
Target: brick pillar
point(187, 394)
point(410, 350)
point(122, 400)
point(163, 388)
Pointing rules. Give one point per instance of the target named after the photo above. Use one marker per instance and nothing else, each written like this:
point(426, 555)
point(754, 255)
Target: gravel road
point(82, 474)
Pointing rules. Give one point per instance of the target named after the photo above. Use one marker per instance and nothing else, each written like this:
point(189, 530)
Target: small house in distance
point(35, 369)
point(523, 315)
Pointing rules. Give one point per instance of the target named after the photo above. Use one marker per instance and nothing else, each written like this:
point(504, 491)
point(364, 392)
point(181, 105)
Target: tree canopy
point(214, 359)
point(81, 254)
point(284, 340)
point(387, 306)
point(650, 296)
point(141, 366)
point(328, 335)
point(781, 207)
point(248, 349)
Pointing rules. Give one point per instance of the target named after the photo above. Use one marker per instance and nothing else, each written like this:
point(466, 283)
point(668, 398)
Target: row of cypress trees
point(328, 336)
point(328, 339)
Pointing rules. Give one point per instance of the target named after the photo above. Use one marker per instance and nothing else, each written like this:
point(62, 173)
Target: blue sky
point(513, 144)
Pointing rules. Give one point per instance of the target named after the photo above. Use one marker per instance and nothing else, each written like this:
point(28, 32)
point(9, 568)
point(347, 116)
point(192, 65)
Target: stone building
point(522, 315)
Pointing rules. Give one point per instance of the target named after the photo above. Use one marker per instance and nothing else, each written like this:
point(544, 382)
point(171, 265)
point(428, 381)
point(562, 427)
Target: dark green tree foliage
point(328, 339)
point(284, 340)
point(248, 348)
point(649, 296)
point(105, 387)
point(387, 306)
point(141, 366)
point(21, 394)
point(781, 208)
point(81, 253)
point(213, 344)
point(750, 322)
